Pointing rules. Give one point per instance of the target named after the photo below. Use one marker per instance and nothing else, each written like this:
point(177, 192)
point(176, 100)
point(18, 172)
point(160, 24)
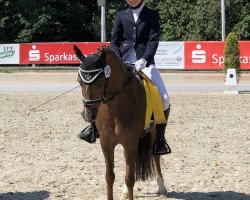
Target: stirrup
point(161, 147)
point(88, 134)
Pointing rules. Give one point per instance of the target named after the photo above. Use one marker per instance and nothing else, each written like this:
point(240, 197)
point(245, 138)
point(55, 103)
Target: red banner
point(197, 55)
point(210, 55)
point(55, 53)
point(244, 47)
point(204, 55)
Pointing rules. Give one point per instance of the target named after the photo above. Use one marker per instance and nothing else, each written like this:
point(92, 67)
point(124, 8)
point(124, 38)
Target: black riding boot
point(89, 134)
point(161, 147)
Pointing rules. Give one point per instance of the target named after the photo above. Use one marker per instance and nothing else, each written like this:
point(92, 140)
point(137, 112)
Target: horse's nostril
point(89, 115)
point(83, 114)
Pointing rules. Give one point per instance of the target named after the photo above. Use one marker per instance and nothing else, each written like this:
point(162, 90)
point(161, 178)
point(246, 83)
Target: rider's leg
point(152, 73)
point(89, 134)
point(160, 147)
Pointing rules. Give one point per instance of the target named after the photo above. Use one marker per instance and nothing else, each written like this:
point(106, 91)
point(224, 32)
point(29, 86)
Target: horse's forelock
point(92, 62)
point(98, 59)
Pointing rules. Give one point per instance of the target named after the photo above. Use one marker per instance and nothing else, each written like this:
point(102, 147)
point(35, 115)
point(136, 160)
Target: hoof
point(163, 192)
point(124, 194)
point(161, 187)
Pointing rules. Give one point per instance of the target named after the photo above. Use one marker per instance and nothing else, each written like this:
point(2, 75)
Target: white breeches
point(152, 73)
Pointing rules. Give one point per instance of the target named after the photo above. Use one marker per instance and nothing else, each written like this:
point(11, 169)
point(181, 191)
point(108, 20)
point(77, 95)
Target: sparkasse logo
point(34, 55)
point(198, 55)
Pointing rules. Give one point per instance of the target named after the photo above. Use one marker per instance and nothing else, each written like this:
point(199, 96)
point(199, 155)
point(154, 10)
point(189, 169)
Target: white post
point(231, 82)
point(102, 4)
point(103, 24)
point(223, 29)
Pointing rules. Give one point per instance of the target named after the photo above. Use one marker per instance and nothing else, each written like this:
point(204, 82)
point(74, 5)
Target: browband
point(89, 76)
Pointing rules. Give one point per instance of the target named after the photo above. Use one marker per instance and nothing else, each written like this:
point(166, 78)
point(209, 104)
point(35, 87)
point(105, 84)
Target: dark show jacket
point(142, 35)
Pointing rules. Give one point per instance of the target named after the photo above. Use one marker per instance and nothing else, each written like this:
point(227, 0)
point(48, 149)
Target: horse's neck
point(119, 75)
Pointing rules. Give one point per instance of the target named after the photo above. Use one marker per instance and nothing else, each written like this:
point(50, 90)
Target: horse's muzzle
point(89, 116)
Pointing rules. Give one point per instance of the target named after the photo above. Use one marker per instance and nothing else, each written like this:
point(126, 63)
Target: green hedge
point(232, 54)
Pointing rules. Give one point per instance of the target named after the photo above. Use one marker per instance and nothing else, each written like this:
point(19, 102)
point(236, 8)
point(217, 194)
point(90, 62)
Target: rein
point(32, 109)
point(124, 86)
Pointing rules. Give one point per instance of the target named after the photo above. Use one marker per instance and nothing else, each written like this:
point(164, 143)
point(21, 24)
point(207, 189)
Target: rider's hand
point(140, 64)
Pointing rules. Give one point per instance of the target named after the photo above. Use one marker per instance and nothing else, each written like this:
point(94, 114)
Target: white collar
point(138, 10)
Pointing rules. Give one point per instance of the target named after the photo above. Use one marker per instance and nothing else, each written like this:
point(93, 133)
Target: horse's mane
point(106, 49)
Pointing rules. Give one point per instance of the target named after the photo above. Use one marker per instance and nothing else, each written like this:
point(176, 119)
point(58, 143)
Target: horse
point(114, 98)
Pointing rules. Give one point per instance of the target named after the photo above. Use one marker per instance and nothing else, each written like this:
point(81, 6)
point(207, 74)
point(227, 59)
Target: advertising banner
point(244, 47)
point(210, 55)
point(193, 55)
point(55, 53)
point(204, 55)
point(170, 55)
point(9, 54)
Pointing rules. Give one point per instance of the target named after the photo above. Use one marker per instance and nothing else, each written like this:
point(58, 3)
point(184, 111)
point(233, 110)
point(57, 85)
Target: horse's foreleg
point(130, 156)
point(108, 151)
point(159, 179)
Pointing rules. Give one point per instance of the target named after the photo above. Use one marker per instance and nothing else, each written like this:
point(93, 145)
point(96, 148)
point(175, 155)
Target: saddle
point(154, 107)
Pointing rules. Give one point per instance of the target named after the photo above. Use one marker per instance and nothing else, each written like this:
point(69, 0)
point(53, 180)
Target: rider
point(135, 38)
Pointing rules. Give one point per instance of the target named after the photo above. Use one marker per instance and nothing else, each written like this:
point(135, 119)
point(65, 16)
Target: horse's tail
point(144, 163)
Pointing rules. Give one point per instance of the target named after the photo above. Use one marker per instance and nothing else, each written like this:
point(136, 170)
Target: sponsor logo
point(198, 55)
point(7, 52)
point(59, 57)
point(216, 59)
point(34, 55)
point(178, 58)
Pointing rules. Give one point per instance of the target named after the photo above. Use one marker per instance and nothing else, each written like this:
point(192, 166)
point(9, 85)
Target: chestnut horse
point(114, 98)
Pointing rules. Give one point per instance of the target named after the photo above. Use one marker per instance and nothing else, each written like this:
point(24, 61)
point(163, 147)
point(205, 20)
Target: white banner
point(9, 54)
point(170, 55)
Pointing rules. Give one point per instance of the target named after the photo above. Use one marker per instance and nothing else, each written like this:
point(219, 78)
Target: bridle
point(86, 77)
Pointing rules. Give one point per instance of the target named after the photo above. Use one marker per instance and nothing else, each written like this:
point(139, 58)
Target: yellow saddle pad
point(154, 102)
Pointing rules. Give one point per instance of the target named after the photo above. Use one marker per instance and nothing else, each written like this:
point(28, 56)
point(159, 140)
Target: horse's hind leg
point(108, 151)
point(159, 179)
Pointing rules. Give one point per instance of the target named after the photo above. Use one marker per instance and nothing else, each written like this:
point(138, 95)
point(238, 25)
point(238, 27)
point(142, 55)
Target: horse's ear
point(78, 53)
point(102, 58)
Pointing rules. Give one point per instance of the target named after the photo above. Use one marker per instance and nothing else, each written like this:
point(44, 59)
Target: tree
point(46, 21)
point(232, 54)
point(175, 17)
point(241, 26)
point(237, 18)
point(9, 22)
point(75, 20)
point(205, 21)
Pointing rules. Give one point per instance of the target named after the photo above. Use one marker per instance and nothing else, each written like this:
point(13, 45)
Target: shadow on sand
point(37, 195)
point(219, 195)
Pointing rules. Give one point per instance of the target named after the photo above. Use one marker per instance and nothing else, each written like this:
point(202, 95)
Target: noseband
point(88, 77)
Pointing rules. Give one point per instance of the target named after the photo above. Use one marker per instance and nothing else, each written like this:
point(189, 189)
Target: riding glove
point(140, 64)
